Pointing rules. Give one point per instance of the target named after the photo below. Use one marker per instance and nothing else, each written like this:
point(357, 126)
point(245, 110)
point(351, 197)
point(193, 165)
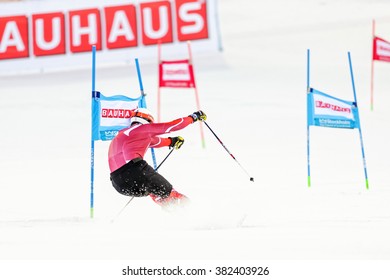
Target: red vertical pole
point(158, 83)
point(196, 95)
point(372, 66)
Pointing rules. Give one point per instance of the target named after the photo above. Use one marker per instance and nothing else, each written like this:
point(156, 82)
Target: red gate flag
point(380, 52)
point(176, 74)
point(381, 49)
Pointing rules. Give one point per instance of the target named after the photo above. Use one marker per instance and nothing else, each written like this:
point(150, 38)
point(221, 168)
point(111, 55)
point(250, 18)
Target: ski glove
point(176, 142)
point(199, 116)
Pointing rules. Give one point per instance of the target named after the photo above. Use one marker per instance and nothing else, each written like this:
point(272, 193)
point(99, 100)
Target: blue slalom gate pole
point(141, 86)
point(360, 130)
point(92, 141)
point(308, 127)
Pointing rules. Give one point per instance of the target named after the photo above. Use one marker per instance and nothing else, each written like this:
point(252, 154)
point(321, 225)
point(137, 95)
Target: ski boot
point(174, 201)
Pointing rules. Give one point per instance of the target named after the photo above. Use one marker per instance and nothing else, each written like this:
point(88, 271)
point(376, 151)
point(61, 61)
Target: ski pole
point(120, 212)
point(250, 178)
point(164, 160)
point(124, 207)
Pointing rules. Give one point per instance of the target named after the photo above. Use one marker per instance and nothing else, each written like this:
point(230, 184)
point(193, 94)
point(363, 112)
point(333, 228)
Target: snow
point(254, 96)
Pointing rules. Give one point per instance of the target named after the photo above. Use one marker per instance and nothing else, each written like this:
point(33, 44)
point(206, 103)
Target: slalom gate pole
point(91, 208)
point(158, 82)
point(124, 207)
point(250, 178)
point(141, 86)
point(308, 127)
point(372, 68)
point(196, 93)
point(360, 130)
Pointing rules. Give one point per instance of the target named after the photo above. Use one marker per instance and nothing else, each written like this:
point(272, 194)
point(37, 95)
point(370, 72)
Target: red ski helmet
point(143, 116)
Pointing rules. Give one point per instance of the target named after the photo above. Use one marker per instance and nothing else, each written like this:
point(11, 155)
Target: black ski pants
point(137, 178)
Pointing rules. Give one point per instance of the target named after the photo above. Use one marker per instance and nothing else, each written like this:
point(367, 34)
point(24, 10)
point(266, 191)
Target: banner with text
point(381, 50)
point(328, 111)
point(176, 74)
point(111, 114)
point(59, 34)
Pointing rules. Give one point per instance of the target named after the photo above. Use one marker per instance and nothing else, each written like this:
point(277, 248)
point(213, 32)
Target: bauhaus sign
point(108, 27)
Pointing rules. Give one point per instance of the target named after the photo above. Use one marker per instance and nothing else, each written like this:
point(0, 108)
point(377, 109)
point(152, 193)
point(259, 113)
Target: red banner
point(381, 49)
point(176, 74)
point(60, 34)
point(167, 21)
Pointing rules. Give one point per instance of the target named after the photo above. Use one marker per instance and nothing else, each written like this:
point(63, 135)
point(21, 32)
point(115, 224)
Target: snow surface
point(254, 94)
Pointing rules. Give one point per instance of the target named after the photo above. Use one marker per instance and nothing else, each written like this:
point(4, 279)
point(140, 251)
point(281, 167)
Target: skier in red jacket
point(130, 174)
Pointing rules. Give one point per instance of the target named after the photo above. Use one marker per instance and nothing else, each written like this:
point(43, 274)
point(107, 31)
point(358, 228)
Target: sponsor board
point(58, 34)
point(381, 49)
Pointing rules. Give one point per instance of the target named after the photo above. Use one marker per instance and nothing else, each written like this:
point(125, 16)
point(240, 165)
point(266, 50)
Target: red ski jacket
point(134, 141)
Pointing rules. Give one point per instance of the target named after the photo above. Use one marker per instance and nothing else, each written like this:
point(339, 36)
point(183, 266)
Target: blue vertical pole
point(141, 86)
point(360, 130)
point(308, 127)
point(92, 141)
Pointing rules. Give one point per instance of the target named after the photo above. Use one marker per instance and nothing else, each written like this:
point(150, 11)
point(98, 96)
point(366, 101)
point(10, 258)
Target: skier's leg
point(175, 198)
point(161, 190)
point(129, 180)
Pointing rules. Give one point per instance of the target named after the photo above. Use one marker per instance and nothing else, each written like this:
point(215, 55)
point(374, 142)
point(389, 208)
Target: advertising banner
point(111, 114)
point(176, 74)
point(38, 36)
point(381, 50)
point(328, 111)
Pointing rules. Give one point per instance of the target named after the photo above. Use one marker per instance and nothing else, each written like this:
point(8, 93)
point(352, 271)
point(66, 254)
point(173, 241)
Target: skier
point(130, 174)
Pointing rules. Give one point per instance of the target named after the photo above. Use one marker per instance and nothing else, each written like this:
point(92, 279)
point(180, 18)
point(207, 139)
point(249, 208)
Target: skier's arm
point(172, 142)
point(178, 124)
point(162, 128)
point(158, 142)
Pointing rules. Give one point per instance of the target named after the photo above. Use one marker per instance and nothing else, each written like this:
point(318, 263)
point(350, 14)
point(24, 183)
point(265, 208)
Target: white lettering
point(11, 38)
point(120, 27)
point(90, 30)
point(148, 23)
point(191, 17)
point(40, 34)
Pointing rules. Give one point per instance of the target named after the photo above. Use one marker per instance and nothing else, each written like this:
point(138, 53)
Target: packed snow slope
point(254, 94)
